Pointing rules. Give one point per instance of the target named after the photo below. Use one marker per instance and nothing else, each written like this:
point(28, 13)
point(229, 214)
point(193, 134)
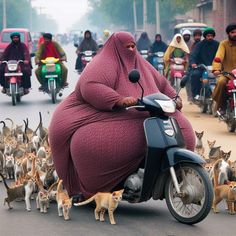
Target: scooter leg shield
point(180, 155)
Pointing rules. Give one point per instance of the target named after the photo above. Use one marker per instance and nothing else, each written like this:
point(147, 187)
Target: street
point(150, 218)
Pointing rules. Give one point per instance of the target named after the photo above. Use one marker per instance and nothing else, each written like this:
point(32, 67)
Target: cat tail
point(4, 181)
point(215, 177)
point(38, 181)
point(53, 185)
point(85, 202)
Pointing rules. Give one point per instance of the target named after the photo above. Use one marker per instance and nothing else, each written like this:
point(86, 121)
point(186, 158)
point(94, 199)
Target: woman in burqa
point(176, 48)
point(87, 44)
point(144, 43)
point(96, 145)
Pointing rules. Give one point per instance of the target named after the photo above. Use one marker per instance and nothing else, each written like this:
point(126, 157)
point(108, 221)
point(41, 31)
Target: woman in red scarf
point(49, 48)
point(94, 145)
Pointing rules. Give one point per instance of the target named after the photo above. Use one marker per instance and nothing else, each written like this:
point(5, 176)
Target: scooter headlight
point(167, 106)
point(12, 67)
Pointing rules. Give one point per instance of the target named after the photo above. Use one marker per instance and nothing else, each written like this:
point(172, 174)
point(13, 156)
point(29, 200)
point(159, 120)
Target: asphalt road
point(150, 218)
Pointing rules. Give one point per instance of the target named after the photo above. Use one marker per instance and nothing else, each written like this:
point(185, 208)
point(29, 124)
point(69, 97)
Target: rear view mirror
point(134, 76)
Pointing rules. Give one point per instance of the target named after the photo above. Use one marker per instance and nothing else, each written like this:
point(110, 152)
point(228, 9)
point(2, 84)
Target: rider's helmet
point(209, 30)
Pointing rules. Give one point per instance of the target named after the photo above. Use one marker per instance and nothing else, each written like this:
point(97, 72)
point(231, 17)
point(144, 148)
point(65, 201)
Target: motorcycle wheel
point(203, 107)
point(18, 98)
point(52, 90)
point(196, 202)
point(177, 84)
point(214, 110)
point(13, 94)
point(231, 125)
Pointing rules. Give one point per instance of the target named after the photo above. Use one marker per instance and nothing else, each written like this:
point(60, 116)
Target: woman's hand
point(126, 102)
point(179, 103)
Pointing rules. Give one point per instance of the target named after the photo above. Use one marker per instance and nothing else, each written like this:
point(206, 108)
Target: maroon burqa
point(95, 146)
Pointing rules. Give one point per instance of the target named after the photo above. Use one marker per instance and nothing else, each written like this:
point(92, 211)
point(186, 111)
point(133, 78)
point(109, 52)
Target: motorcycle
point(144, 54)
point(86, 57)
point(176, 72)
point(170, 172)
point(13, 80)
point(158, 62)
point(208, 81)
point(230, 117)
point(51, 75)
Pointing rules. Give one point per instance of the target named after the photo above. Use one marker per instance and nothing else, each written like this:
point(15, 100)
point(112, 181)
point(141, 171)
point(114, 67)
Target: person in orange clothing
point(227, 55)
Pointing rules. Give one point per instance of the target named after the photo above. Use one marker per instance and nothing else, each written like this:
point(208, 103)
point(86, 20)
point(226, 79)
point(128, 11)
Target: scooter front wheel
point(194, 202)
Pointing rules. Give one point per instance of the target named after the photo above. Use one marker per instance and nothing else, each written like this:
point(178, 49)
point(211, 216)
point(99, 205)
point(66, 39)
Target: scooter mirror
point(32, 54)
point(184, 81)
point(134, 76)
point(76, 45)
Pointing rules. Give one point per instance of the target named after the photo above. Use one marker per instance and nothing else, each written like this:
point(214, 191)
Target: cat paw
point(29, 209)
point(60, 215)
point(102, 220)
point(113, 223)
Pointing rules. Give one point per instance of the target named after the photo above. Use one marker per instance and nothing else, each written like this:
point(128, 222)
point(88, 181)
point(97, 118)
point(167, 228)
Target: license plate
point(13, 74)
point(51, 76)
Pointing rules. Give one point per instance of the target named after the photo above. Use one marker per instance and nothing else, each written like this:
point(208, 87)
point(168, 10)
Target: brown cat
point(64, 202)
point(225, 191)
point(228, 192)
point(104, 201)
point(20, 191)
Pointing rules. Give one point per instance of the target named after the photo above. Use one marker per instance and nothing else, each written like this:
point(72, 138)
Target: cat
point(104, 201)
point(64, 202)
point(200, 150)
point(9, 166)
point(22, 191)
point(43, 197)
point(228, 192)
point(215, 153)
point(225, 155)
point(6, 131)
point(211, 144)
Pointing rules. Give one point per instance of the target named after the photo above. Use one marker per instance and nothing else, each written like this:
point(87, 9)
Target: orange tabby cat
point(225, 191)
point(64, 202)
point(104, 201)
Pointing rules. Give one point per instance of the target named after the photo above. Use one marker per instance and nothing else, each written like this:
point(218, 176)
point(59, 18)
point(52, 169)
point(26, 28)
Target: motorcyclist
point(106, 35)
point(227, 54)
point(203, 53)
point(50, 48)
point(87, 44)
point(176, 48)
point(143, 43)
point(157, 46)
point(187, 37)
point(17, 50)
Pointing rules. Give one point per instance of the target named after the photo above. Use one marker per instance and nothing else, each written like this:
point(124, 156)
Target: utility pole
point(145, 15)
point(158, 29)
point(4, 14)
point(135, 16)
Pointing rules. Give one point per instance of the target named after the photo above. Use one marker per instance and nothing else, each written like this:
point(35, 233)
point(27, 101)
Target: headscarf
point(230, 27)
point(47, 36)
point(88, 43)
point(209, 30)
point(15, 34)
point(182, 45)
point(158, 46)
point(143, 42)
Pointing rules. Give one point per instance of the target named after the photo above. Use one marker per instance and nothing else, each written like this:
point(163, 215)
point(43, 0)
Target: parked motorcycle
point(13, 80)
point(176, 72)
point(158, 62)
point(208, 81)
point(51, 75)
point(170, 172)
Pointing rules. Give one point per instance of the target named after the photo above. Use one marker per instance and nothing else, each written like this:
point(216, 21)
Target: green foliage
point(18, 15)
point(120, 12)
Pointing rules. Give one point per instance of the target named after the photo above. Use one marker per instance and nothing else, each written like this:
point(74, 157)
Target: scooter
point(176, 72)
point(170, 172)
point(208, 81)
point(86, 57)
point(158, 62)
point(13, 79)
point(51, 75)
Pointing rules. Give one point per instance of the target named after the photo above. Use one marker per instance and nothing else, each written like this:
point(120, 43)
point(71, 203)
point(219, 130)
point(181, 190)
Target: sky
point(65, 12)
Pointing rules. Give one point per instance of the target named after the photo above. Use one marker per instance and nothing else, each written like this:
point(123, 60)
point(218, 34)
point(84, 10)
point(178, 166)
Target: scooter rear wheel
point(13, 94)
point(196, 202)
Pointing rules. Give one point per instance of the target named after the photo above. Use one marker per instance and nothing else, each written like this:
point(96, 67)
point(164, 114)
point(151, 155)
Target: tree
point(120, 12)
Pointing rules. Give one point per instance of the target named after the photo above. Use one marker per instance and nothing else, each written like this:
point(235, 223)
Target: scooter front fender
point(177, 155)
